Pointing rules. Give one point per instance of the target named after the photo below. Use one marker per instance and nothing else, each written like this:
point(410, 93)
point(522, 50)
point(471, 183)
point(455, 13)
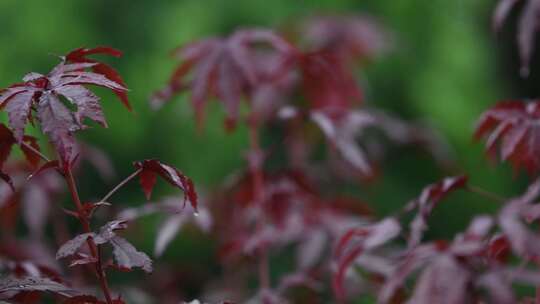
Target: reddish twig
point(100, 272)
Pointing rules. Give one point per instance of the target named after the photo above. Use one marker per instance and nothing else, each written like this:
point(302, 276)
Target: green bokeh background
point(446, 68)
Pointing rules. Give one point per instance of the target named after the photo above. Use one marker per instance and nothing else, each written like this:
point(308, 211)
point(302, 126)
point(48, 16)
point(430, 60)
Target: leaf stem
point(255, 164)
point(94, 250)
point(41, 155)
point(487, 194)
point(121, 184)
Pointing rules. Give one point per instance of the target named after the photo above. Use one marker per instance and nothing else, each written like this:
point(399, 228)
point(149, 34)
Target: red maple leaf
point(515, 126)
point(41, 95)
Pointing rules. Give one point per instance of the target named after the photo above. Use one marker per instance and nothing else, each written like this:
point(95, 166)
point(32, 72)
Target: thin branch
point(94, 250)
point(255, 165)
point(492, 196)
point(35, 151)
point(121, 184)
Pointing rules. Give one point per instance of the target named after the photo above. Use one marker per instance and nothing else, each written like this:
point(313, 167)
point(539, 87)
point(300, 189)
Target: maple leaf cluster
point(32, 187)
point(300, 82)
point(303, 85)
point(40, 95)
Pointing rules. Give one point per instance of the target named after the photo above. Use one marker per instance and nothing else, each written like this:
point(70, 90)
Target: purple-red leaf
point(152, 167)
point(327, 83)
point(350, 37)
point(428, 199)
point(229, 69)
point(58, 123)
point(7, 140)
point(514, 126)
point(445, 281)
point(73, 245)
point(125, 254)
point(34, 284)
point(80, 56)
point(357, 241)
point(128, 256)
point(41, 93)
point(18, 109)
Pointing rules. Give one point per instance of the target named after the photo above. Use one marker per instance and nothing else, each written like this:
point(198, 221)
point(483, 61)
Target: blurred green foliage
point(443, 71)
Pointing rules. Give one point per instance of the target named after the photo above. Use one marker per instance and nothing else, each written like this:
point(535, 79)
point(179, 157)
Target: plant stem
point(94, 250)
point(41, 155)
point(255, 164)
point(264, 273)
point(120, 185)
point(486, 194)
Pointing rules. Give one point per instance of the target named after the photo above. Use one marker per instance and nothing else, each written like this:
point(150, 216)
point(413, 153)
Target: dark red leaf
point(350, 37)
point(58, 123)
point(152, 167)
point(18, 109)
point(498, 249)
point(428, 199)
point(445, 281)
point(83, 300)
point(327, 83)
point(128, 256)
point(148, 181)
point(226, 68)
point(73, 245)
point(524, 242)
point(514, 126)
point(34, 284)
point(341, 133)
point(6, 142)
point(125, 254)
point(42, 94)
point(79, 55)
point(357, 241)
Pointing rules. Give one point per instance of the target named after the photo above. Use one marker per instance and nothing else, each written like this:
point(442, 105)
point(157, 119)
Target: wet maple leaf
point(151, 168)
point(80, 56)
point(41, 95)
point(514, 127)
point(227, 68)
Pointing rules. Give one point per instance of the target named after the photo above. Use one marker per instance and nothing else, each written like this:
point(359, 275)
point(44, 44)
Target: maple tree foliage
point(227, 68)
point(512, 126)
point(349, 37)
point(264, 212)
point(45, 97)
point(80, 56)
point(125, 254)
point(151, 168)
point(41, 96)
